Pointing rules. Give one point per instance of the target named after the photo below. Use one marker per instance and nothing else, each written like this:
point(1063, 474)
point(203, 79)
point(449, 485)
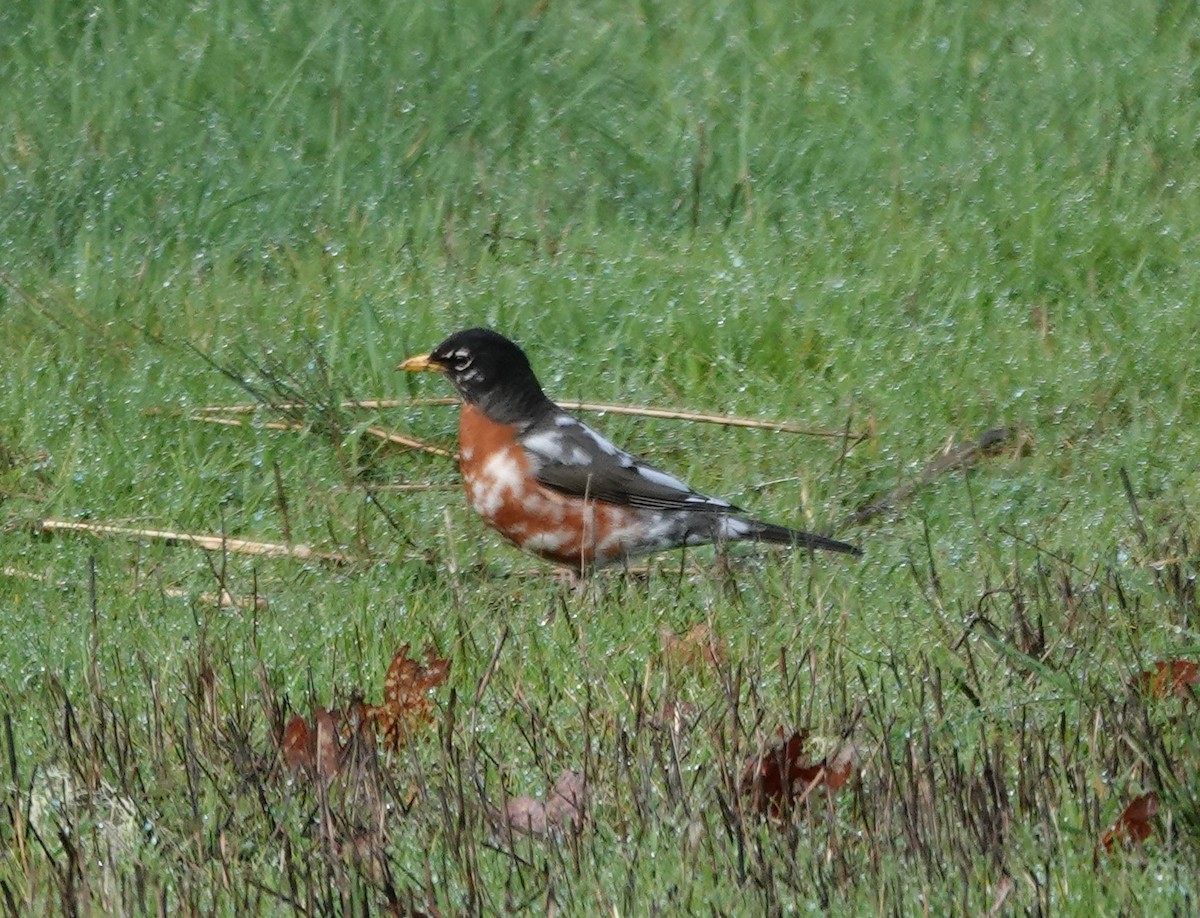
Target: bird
point(556, 488)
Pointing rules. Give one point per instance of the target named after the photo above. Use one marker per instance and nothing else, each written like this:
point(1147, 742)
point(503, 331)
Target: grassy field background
point(913, 221)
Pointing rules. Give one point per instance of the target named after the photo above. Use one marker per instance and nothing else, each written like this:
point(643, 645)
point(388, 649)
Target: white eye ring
point(462, 361)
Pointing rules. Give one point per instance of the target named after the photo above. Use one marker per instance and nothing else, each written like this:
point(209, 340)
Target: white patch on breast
point(548, 540)
point(504, 471)
point(539, 505)
point(644, 532)
point(500, 478)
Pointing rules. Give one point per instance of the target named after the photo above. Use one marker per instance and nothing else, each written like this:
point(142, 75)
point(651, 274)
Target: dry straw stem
point(386, 435)
point(375, 404)
point(402, 487)
point(951, 458)
point(209, 542)
point(224, 599)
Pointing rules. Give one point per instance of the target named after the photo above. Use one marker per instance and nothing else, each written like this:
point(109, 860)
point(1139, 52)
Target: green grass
point(918, 220)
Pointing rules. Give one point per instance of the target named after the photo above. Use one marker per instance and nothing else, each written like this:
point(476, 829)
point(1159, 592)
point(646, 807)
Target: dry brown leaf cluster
point(1165, 679)
point(318, 748)
point(1170, 677)
point(781, 779)
point(406, 705)
point(315, 749)
point(1133, 825)
point(699, 645)
point(562, 810)
point(777, 783)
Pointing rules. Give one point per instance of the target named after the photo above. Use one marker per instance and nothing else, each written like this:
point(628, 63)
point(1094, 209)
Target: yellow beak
point(420, 362)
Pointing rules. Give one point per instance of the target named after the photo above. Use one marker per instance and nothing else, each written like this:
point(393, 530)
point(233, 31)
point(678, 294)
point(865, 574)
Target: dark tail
point(756, 531)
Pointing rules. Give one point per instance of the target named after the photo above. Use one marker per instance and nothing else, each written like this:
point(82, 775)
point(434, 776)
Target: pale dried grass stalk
point(670, 414)
point(379, 433)
point(208, 542)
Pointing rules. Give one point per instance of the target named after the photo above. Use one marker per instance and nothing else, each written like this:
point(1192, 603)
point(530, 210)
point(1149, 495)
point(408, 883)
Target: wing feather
point(571, 457)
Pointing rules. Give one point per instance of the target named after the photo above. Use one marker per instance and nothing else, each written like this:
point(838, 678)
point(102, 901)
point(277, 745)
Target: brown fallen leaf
point(313, 748)
point(699, 645)
point(777, 781)
point(406, 705)
point(1169, 677)
point(674, 717)
point(1133, 825)
point(299, 745)
point(1003, 891)
point(356, 721)
point(566, 800)
point(328, 749)
point(839, 765)
point(321, 746)
point(526, 815)
point(530, 816)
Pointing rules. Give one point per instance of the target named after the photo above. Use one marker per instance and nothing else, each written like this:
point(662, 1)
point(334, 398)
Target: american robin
point(553, 486)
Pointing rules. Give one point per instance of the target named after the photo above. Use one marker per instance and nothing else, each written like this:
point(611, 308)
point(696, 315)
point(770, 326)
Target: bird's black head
point(489, 372)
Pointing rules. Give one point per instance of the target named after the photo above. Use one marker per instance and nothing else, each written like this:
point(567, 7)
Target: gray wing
point(571, 457)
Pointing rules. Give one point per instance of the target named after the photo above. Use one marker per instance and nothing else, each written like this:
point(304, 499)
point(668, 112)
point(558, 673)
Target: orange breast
point(502, 489)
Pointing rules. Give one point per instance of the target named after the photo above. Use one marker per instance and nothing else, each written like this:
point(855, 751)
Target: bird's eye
point(461, 361)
